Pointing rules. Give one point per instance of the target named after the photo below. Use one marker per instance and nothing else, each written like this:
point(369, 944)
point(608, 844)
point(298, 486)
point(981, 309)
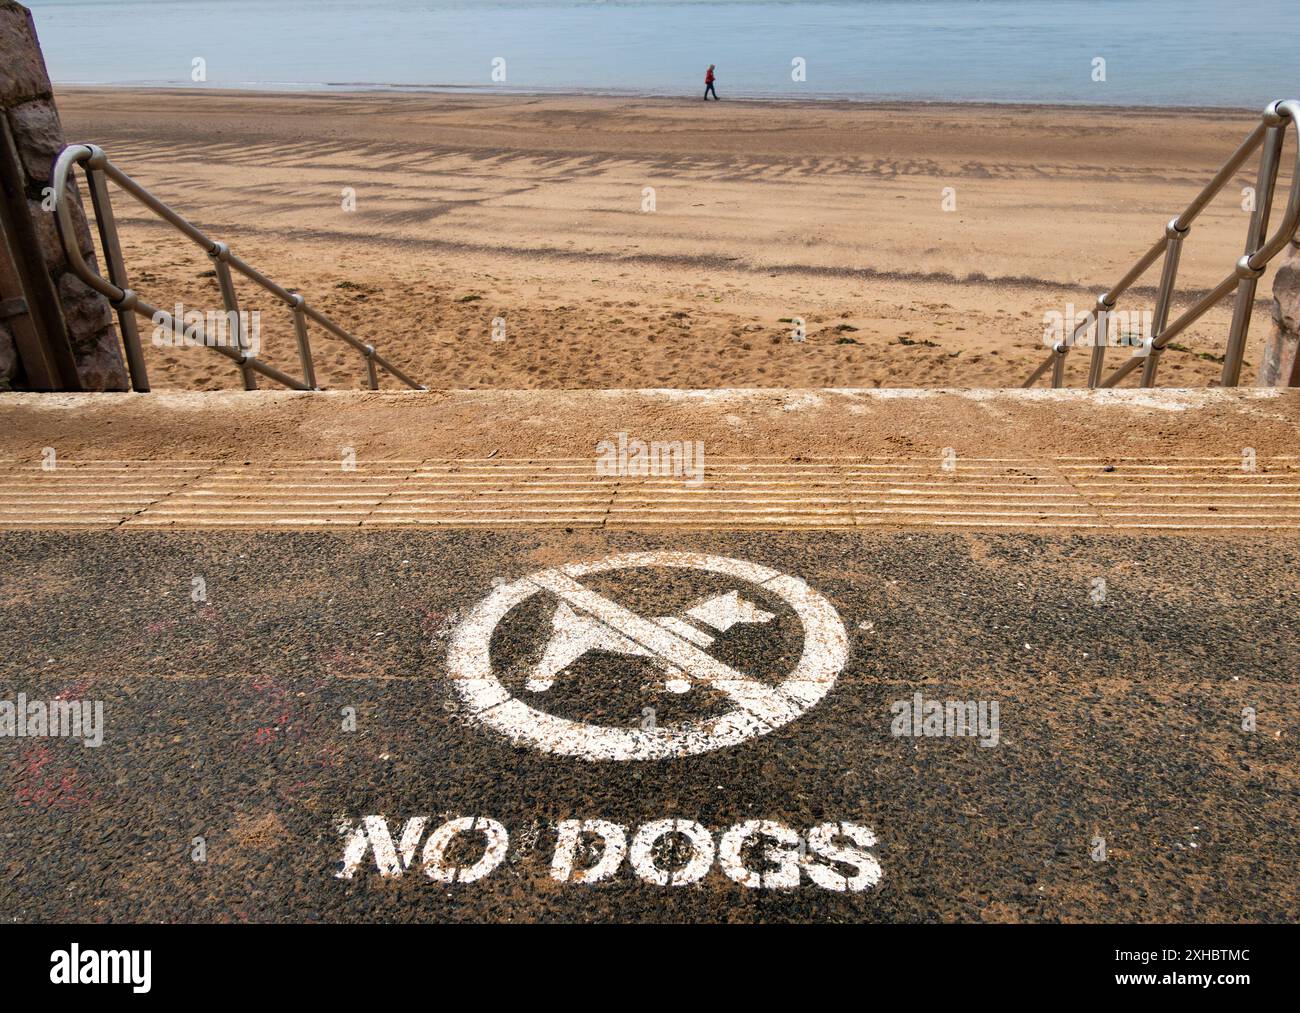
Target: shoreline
point(824, 101)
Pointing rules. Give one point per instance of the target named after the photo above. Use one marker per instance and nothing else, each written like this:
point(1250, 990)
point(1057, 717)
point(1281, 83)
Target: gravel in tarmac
point(1126, 782)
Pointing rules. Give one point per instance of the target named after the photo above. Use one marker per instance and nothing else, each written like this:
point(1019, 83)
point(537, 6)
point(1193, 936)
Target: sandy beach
point(534, 211)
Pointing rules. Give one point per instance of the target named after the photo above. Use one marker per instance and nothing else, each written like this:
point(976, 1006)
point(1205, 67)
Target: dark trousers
point(708, 87)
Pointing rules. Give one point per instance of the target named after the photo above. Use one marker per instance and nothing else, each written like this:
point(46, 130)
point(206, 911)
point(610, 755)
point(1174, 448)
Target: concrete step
point(1119, 460)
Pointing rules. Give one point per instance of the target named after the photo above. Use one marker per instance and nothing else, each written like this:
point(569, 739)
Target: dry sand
point(470, 208)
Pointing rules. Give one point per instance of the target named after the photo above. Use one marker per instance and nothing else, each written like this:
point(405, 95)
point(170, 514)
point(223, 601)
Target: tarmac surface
point(1142, 765)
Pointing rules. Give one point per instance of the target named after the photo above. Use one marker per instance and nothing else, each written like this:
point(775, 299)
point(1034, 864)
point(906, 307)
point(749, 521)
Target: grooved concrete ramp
point(1126, 460)
point(1113, 493)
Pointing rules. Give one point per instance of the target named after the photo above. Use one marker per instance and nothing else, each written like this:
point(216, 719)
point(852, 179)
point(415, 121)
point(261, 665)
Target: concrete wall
point(27, 102)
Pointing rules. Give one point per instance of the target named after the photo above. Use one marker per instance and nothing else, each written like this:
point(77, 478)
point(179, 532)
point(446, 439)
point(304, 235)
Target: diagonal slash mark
point(762, 702)
point(761, 710)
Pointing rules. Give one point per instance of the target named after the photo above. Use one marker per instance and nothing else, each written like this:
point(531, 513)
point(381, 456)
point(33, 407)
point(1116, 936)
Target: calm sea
point(1155, 52)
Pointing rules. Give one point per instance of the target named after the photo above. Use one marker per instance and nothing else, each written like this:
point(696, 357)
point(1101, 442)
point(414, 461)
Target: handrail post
point(116, 264)
point(1248, 274)
point(1062, 348)
point(304, 345)
point(1099, 340)
point(220, 254)
point(1164, 298)
point(370, 367)
point(1058, 365)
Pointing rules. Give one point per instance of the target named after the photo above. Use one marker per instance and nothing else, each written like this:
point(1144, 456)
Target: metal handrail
point(128, 304)
point(1269, 132)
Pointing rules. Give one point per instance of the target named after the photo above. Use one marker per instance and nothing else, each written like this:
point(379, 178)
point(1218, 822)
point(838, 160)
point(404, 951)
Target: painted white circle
point(758, 707)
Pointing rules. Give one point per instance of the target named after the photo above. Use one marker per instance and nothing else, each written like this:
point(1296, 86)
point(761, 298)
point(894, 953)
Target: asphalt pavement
point(460, 725)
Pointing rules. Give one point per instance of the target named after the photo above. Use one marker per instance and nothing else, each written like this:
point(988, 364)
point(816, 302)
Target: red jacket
point(708, 77)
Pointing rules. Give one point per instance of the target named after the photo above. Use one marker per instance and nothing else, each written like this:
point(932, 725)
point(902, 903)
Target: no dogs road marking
point(586, 620)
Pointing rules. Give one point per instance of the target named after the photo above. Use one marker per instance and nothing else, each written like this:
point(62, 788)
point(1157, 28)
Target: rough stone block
point(85, 310)
point(22, 68)
point(99, 362)
point(39, 137)
point(47, 236)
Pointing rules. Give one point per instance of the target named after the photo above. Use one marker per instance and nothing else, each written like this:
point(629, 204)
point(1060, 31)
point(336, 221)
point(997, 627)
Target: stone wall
point(1282, 342)
point(27, 101)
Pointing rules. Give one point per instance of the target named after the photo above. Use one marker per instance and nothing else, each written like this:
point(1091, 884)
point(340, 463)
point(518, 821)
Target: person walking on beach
point(708, 85)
